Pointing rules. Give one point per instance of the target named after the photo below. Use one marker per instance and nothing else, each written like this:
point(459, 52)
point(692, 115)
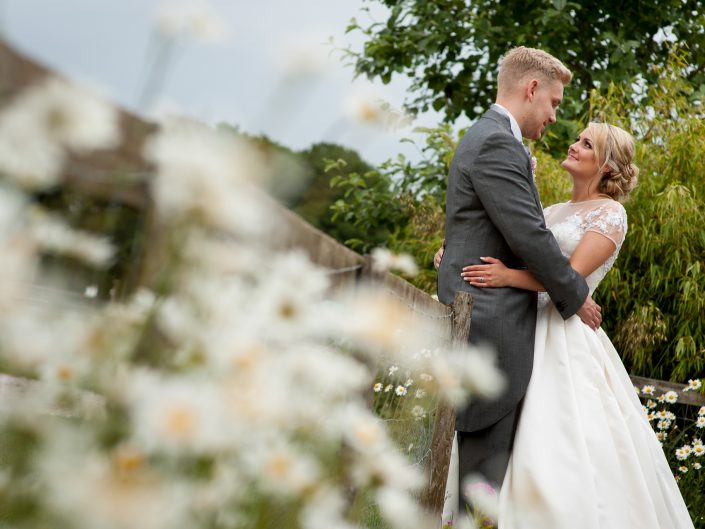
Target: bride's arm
point(593, 250)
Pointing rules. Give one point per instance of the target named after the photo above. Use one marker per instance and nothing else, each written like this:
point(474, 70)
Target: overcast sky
point(241, 79)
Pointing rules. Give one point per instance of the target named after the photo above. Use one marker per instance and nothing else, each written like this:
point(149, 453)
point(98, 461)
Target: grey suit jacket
point(493, 209)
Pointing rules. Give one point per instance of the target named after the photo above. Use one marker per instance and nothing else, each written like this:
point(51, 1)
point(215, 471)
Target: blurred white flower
point(325, 510)
point(417, 412)
point(701, 411)
point(399, 509)
point(377, 387)
point(208, 175)
point(364, 431)
point(190, 20)
point(697, 466)
point(282, 469)
point(384, 259)
point(365, 106)
point(113, 491)
point(289, 304)
point(31, 164)
point(387, 468)
point(466, 370)
point(176, 415)
point(700, 422)
point(401, 391)
point(62, 335)
point(54, 235)
point(648, 390)
point(19, 253)
point(44, 120)
point(305, 56)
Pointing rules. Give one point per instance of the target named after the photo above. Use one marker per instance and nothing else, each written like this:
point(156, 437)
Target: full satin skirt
point(585, 456)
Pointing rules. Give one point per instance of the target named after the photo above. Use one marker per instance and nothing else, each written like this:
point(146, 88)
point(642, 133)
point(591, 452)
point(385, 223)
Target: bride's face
point(582, 161)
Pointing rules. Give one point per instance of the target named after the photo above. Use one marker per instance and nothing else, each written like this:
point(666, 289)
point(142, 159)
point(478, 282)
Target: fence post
point(444, 428)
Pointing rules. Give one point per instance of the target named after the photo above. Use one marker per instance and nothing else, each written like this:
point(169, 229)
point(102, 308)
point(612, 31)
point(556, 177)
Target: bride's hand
point(492, 274)
point(439, 255)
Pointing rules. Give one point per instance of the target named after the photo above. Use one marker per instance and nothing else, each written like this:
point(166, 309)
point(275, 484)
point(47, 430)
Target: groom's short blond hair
point(520, 63)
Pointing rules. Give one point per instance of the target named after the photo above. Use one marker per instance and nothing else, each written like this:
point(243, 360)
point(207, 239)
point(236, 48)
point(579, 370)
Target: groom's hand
point(591, 314)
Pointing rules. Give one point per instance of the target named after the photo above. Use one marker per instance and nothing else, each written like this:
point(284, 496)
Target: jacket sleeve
point(499, 176)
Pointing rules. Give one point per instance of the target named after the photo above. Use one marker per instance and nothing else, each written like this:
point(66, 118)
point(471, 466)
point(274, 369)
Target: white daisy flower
point(700, 423)
point(648, 390)
point(650, 404)
point(663, 424)
point(683, 469)
point(693, 385)
point(698, 450)
point(661, 436)
point(377, 387)
point(671, 397)
point(401, 391)
point(701, 411)
point(697, 466)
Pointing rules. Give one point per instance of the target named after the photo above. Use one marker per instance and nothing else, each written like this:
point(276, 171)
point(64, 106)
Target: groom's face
point(545, 96)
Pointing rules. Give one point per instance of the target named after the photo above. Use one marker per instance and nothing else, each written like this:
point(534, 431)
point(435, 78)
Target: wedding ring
point(481, 279)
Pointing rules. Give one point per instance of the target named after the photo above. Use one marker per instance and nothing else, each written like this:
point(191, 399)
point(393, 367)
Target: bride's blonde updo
point(616, 147)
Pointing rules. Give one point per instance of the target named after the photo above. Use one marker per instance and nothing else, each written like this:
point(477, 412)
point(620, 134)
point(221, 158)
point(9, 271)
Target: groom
point(493, 209)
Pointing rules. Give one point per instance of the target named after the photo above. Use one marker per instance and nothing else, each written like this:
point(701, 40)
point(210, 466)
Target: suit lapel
point(503, 121)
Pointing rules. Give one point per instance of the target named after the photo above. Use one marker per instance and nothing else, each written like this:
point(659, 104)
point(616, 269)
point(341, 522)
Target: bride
point(584, 455)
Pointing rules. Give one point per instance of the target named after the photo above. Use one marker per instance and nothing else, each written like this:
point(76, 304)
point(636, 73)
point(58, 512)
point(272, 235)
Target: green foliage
point(406, 199)
point(449, 49)
point(314, 203)
point(654, 296)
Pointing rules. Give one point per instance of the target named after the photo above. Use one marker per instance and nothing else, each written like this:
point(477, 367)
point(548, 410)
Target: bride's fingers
point(476, 268)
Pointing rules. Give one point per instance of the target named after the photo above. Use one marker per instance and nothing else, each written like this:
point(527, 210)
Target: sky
point(248, 78)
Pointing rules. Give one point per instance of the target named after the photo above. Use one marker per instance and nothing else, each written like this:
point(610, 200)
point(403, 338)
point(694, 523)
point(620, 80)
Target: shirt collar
point(512, 122)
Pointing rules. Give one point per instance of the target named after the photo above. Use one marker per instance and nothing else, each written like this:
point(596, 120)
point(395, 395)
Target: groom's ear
point(531, 88)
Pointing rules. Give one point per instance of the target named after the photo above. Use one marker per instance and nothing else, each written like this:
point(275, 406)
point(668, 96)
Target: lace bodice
point(570, 221)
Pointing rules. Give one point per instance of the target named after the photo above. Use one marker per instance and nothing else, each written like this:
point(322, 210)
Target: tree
point(450, 49)
point(314, 203)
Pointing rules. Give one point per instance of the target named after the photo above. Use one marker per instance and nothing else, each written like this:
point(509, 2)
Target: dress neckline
point(587, 201)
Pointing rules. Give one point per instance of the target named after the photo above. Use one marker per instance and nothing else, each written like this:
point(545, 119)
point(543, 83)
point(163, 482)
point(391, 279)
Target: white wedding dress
point(584, 455)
